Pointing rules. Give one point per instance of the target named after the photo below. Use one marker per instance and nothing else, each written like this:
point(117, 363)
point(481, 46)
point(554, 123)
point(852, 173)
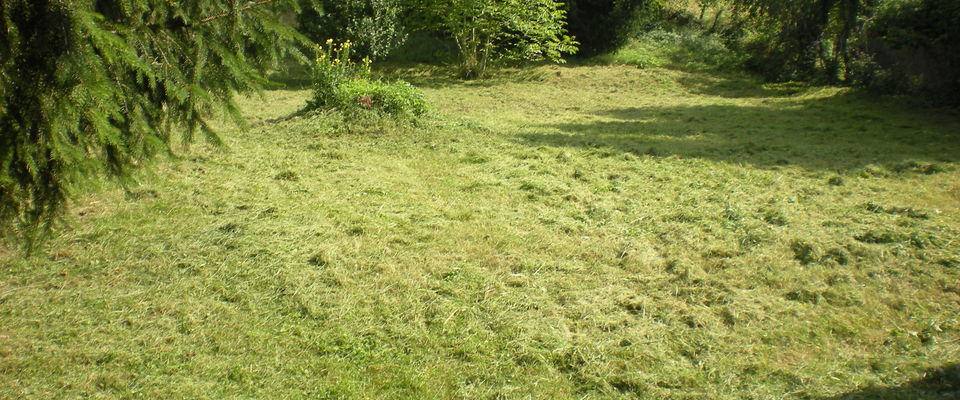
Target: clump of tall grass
point(345, 84)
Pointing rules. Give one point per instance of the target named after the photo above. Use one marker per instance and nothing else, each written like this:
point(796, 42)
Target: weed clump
point(836, 255)
point(633, 304)
point(950, 262)
point(474, 158)
point(805, 296)
point(347, 85)
point(917, 240)
point(230, 228)
point(873, 171)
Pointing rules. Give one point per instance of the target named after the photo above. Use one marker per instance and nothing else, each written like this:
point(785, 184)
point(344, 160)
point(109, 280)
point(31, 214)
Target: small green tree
point(488, 31)
point(94, 87)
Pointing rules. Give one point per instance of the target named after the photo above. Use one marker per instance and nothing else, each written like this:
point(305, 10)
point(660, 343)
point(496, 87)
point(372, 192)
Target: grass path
point(561, 232)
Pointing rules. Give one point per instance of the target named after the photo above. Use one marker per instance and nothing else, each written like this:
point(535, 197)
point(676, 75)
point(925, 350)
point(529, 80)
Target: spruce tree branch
point(227, 14)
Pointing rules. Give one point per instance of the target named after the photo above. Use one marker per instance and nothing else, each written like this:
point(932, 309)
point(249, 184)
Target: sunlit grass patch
point(596, 232)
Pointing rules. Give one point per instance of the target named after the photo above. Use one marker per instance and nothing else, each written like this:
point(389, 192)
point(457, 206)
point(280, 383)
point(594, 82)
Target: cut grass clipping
point(581, 233)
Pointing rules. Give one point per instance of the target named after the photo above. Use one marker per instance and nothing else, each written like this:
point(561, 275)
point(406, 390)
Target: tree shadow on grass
point(434, 76)
point(737, 85)
point(936, 384)
point(837, 133)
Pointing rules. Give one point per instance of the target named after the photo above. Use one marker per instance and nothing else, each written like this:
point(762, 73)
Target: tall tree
point(94, 87)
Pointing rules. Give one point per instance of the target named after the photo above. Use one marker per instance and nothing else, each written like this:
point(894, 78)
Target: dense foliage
point(489, 31)
point(375, 27)
point(914, 46)
point(805, 39)
point(889, 45)
point(90, 88)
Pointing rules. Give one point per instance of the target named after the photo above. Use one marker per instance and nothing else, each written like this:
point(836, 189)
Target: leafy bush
point(374, 26)
point(866, 72)
point(490, 31)
point(345, 84)
point(805, 39)
point(397, 98)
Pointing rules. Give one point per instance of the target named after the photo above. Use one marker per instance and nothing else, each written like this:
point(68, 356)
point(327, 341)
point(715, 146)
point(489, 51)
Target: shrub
point(345, 84)
point(492, 31)
point(397, 98)
point(374, 26)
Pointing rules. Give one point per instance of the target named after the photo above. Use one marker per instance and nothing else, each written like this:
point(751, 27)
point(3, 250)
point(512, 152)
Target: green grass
point(583, 232)
point(685, 49)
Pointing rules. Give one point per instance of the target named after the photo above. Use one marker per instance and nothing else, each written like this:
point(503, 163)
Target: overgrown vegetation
point(913, 47)
point(376, 27)
point(683, 48)
point(345, 84)
point(493, 31)
point(894, 46)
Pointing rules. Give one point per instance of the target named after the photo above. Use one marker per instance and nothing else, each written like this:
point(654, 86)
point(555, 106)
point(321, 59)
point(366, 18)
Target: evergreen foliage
point(92, 88)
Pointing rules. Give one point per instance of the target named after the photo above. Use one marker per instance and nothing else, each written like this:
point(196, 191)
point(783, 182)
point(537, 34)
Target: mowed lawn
point(585, 232)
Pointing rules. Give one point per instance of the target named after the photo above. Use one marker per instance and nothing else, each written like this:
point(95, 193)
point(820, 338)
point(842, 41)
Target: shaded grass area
point(565, 232)
point(688, 49)
point(941, 383)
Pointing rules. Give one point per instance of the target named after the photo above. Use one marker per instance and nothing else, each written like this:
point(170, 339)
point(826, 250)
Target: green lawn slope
point(589, 232)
